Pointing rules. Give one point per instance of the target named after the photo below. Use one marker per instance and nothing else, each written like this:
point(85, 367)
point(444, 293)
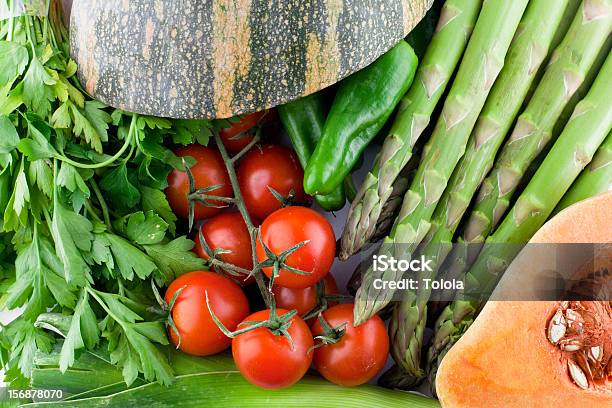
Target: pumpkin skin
point(505, 359)
point(220, 58)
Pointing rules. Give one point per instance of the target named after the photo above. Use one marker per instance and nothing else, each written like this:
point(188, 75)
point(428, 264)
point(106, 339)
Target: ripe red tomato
point(268, 360)
point(289, 226)
point(199, 334)
point(209, 170)
point(235, 138)
point(272, 166)
point(229, 232)
point(359, 355)
point(305, 299)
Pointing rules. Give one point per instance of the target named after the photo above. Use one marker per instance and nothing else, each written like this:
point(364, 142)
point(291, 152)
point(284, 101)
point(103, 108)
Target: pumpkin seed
point(595, 353)
point(571, 346)
point(557, 327)
point(573, 317)
point(577, 375)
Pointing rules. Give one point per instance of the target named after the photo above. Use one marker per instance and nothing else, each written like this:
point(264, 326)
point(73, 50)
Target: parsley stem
point(94, 294)
point(253, 232)
point(91, 211)
point(11, 21)
point(45, 23)
point(29, 35)
point(110, 160)
point(102, 202)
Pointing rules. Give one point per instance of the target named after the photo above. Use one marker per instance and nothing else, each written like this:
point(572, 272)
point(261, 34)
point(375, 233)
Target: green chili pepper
point(362, 105)
point(303, 119)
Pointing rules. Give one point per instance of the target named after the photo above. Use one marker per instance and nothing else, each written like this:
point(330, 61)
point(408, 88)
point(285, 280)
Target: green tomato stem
point(239, 201)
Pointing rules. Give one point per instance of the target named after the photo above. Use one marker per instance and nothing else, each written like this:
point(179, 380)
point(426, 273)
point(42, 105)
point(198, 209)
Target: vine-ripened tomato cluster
point(250, 230)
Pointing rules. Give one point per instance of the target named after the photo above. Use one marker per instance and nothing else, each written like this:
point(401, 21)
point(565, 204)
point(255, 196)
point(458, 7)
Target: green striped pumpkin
point(219, 58)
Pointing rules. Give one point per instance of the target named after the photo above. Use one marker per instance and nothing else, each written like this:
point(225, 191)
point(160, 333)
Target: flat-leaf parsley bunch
point(86, 232)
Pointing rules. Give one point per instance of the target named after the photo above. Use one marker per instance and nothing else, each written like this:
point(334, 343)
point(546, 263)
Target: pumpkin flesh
point(506, 358)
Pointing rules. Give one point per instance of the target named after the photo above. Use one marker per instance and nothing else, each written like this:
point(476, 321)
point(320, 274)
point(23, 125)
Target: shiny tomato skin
point(289, 226)
point(304, 299)
point(359, 355)
point(272, 166)
point(200, 336)
point(209, 170)
point(234, 144)
point(228, 231)
point(267, 360)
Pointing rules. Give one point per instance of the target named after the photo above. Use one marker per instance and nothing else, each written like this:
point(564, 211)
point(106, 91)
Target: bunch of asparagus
point(482, 62)
point(583, 135)
point(510, 87)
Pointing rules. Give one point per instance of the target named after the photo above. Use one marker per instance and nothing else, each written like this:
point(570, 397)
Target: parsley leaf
point(39, 274)
point(41, 175)
point(37, 146)
point(153, 122)
point(129, 259)
point(156, 201)
point(5, 192)
point(98, 117)
point(156, 150)
point(122, 194)
point(144, 229)
point(83, 332)
point(188, 131)
point(131, 342)
point(100, 251)
point(13, 60)
point(92, 123)
point(72, 234)
point(26, 339)
point(8, 135)
point(71, 178)
point(15, 213)
point(175, 258)
point(154, 363)
point(61, 117)
point(37, 90)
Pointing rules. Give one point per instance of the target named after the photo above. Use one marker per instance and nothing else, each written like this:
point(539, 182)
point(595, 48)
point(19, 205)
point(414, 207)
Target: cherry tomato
point(270, 166)
point(235, 138)
point(199, 335)
point(304, 300)
point(268, 360)
point(290, 226)
point(360, 353)
point(209, 170)
point(229, 232)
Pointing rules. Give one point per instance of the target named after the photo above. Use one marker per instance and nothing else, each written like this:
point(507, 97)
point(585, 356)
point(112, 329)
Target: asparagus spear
point(564, 25)
point(595, 179)
point(442, 56)
point(570, 64)
point(482, 62)
point(586, 130)
point(464, 255)
point(531, 43)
